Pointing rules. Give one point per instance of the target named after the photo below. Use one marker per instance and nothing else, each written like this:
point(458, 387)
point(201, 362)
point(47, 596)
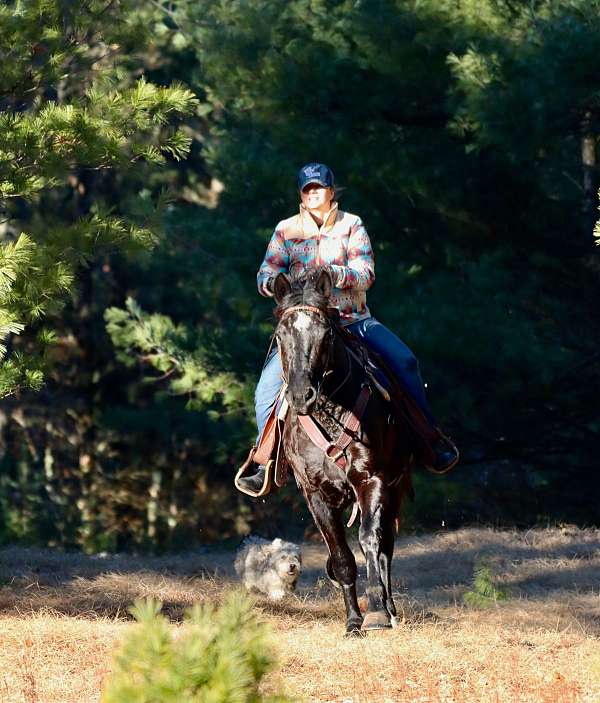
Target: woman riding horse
point(323, 235)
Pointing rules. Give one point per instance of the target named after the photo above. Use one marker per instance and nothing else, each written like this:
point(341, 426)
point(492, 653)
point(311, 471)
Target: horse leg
point(372, 536)
point(341, 565)
point(385, 565)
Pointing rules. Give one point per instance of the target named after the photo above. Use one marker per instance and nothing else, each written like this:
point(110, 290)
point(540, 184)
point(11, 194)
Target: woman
point(321, 234)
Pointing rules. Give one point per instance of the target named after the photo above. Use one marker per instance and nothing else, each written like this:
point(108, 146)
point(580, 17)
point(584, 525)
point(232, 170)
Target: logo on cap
point(315, 173)
point(312, 171)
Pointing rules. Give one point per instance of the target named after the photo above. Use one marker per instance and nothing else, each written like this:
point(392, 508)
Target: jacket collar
point(310, 227)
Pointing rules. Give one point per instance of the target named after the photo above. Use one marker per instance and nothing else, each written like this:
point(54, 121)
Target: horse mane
point(304, 292)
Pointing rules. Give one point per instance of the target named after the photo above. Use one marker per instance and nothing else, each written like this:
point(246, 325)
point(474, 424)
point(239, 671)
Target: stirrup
point(452, 464)
point(268, 480)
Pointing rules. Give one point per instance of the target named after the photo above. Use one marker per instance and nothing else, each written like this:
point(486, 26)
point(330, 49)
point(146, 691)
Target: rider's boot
point(446, 454)
point(254, 482)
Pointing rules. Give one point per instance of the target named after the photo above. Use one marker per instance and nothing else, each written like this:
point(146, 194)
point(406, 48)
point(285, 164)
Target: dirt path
point(62, 615)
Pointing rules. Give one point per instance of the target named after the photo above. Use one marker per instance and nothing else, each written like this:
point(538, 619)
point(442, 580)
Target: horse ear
point(281, 287)
point(324, 283)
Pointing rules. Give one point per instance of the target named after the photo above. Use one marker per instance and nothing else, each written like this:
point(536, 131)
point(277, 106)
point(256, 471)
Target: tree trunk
point(152, 505)
point(590, 188)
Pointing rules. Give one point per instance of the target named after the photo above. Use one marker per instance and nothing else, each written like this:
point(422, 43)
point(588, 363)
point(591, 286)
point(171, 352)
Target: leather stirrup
point(268, 480)
point(453, 448)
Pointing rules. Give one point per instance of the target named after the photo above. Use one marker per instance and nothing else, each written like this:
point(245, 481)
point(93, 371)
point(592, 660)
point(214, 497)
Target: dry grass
point(62, 615)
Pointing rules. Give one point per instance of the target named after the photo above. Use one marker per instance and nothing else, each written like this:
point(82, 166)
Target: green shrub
point(219, 655)
point(484, 592)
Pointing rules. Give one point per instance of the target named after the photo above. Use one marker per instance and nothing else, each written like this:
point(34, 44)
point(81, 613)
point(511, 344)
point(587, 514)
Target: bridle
point(305, 308)
point(331, 331)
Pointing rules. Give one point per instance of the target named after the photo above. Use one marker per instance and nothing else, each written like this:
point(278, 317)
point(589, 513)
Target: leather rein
point(334, 450)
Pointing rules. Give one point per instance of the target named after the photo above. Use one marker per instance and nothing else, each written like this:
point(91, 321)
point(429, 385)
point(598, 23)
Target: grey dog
point(272, 568)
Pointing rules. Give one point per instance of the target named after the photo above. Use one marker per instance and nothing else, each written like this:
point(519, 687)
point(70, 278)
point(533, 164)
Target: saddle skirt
point(269, 445)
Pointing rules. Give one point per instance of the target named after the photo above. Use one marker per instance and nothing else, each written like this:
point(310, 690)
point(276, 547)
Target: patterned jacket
point(341, 242)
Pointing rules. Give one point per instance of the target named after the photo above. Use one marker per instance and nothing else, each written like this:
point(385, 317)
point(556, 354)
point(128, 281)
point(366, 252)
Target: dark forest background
point(147, 149)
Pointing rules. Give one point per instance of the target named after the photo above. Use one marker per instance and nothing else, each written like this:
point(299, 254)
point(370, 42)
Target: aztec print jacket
point(341, 242)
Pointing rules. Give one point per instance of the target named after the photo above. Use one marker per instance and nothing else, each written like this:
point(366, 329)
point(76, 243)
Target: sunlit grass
point(61, 617)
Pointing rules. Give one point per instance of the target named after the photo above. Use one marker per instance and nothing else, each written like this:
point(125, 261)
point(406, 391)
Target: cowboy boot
point(254, 482)
point(446, 454)
point(258, 483)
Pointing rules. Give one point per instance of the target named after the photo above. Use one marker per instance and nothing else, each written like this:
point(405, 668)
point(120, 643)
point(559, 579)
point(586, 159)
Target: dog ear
point(277, 542)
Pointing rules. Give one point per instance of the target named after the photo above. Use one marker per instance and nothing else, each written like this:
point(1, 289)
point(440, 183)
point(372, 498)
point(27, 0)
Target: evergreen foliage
point(220, 655)
point(63, 114)
point(484, 592)
point(163, 345)
point(466, 172)
point(456, 129)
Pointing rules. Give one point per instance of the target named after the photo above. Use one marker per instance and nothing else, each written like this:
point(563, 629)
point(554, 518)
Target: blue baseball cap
point(315, 173)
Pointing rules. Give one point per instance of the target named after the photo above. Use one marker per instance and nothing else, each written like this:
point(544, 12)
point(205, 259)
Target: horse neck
point(342, 386)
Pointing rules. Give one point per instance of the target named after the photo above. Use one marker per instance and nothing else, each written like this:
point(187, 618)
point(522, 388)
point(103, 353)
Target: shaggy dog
point(272, 568)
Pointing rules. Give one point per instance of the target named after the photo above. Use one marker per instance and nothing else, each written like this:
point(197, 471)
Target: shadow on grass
point(543, 567)
point(90, 587)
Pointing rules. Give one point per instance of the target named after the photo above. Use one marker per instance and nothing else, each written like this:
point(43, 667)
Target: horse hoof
point(377, 620)
point(353, 629)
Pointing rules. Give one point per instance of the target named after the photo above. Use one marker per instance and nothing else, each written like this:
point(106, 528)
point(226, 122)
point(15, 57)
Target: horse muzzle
point(302, 400)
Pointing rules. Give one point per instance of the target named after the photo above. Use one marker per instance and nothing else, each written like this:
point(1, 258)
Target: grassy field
point(61, 617)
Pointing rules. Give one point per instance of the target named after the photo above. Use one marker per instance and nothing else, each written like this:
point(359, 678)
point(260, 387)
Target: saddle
point(268, 452)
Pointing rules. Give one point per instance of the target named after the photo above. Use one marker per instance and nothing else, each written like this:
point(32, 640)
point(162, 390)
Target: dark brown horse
point(324, 380)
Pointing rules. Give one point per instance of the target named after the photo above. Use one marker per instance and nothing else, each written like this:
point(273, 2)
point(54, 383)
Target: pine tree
point(66, 113)
point(484, 592)
point(219, 655)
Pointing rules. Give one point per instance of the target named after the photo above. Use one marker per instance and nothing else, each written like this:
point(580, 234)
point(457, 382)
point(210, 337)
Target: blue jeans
point(377, 337)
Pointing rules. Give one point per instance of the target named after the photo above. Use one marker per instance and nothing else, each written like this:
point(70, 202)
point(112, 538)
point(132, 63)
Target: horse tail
point(404, 489)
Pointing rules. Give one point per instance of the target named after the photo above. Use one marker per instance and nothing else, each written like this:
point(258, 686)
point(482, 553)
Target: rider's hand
point(332, 274)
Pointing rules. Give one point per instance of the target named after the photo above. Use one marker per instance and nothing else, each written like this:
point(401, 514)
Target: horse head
point(304, 333)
